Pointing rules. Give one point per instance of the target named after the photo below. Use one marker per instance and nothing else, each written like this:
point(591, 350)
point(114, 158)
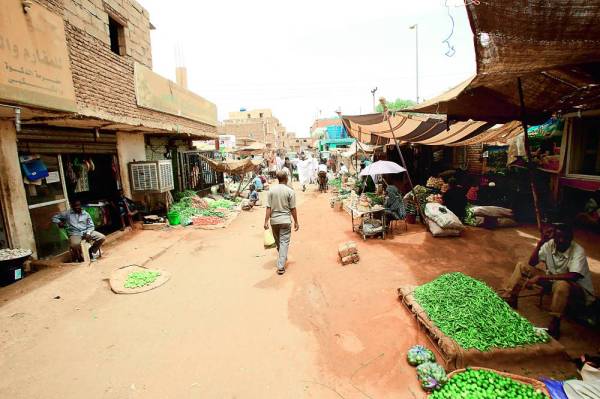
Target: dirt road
point(225, 325)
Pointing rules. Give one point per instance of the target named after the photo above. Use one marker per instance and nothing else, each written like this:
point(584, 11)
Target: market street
point(227, 326)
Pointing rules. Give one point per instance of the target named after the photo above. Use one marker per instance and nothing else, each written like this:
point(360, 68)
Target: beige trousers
point(561, 290)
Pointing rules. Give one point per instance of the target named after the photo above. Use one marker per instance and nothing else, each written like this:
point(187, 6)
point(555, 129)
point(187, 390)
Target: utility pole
point(416, 28)
point(373, 93)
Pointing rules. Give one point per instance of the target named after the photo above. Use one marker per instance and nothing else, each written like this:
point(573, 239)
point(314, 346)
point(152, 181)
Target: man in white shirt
point(564, 268)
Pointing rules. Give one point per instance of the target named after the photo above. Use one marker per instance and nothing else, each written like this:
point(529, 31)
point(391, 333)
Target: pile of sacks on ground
point(490, 217)
point(348, 253)
point(441, 221)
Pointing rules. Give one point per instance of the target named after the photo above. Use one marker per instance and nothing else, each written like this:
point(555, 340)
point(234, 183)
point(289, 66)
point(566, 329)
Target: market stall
point(475, 326)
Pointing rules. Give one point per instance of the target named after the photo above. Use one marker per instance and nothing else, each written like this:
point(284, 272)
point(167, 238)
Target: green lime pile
point(141, 279)
point(485, 384)
point(472, 314)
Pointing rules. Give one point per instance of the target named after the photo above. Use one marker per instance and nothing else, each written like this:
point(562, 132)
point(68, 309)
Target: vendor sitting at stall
point(258, 183)
point(394, 205)
point(455, 198)
point(79, 227)
point(125, 207)
point(564, 269)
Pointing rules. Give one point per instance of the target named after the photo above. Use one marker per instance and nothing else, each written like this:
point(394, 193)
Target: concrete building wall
point(266, 130)
point(12, 191)
point(130, 148)
point(252, 114)
point(104, 81)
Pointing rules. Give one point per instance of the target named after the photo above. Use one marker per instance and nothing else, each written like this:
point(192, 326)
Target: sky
point(307, 59)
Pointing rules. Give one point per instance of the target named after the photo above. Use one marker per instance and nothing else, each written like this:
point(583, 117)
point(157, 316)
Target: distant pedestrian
point(287, 168)
point(281, 208)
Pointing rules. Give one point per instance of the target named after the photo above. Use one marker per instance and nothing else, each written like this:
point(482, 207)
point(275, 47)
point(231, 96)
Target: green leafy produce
point(472, 314)
point(485, 384)
point(419, 354)
point(335, 183)
point(141, 279)
point(375, 199)
point(432, 376)
point(211, 212)
point(222, 203)
point(185, 194)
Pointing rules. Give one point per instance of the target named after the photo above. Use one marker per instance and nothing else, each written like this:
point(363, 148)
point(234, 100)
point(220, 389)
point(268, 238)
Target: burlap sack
point(352, 258)
point(347, 248)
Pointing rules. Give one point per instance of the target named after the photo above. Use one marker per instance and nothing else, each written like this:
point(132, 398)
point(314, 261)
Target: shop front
point(63, 165)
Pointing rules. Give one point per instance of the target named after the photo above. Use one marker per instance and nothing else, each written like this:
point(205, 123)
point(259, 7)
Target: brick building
point(257, 124)
point(78, 102)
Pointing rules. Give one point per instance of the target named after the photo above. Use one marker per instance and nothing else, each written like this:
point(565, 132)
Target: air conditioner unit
point(151, 176)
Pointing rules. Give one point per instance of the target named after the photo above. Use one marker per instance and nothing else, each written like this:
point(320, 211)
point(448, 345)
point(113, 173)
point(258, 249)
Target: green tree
point(396, 105)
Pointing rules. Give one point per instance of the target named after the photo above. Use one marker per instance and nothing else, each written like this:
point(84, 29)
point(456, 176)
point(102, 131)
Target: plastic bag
point(431, 376)
point(555, 388)
point(269, 241)
point(419, 354)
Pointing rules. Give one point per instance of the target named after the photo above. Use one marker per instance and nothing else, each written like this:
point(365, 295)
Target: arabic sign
point(160, 94)
point(34, 60)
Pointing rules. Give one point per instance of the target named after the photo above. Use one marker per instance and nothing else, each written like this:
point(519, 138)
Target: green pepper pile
point(484, 384)
point(472, 314)
point(141, 279)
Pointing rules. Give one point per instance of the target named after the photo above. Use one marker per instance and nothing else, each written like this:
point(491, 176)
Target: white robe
point(304, 169)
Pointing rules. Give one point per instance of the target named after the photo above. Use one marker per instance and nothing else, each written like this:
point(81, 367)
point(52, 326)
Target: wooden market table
point(362, 215)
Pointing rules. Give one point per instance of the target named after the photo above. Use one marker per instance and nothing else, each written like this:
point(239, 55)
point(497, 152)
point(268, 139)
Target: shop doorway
point(91, 178)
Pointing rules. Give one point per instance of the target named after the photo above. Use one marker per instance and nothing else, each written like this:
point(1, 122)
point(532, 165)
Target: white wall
point(130, 148)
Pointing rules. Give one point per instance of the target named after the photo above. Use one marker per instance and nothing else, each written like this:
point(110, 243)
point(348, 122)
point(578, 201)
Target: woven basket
point(519, 378)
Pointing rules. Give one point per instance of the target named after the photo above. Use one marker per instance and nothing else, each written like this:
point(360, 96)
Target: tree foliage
point(396, 105)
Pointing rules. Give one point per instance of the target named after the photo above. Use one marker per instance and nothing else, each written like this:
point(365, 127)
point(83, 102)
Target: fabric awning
point(411, 129)
point(356, 149)
point(554, 49)
point(233, 167)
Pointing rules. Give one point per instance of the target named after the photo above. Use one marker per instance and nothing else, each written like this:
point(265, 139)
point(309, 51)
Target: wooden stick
point(530, 165)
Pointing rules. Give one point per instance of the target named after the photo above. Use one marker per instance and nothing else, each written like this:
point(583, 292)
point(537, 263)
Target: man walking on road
point(281, 208)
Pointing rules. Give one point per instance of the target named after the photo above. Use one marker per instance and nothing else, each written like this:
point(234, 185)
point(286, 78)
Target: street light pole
point(416, 28)
point(373, 93)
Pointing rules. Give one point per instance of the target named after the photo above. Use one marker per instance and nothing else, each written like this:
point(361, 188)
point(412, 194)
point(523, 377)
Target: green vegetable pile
point(484, 384)
point(141, 279)
point(375, 199)
point(472, 314)
point(432, 376)
point(336, 183)
point(212, 212)
point(419, 354)
point(222, 203)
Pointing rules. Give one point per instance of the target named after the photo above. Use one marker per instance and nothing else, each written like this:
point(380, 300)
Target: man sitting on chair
point(80, 227)
point(564, 269)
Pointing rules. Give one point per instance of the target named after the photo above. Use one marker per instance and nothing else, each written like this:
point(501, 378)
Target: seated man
point(125, 207)
point(79, 227)
point(564, 268)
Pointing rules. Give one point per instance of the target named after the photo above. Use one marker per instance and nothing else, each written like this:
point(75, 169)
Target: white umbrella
point(382, 168)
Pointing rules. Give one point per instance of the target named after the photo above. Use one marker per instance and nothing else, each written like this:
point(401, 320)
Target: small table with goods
point(372, 221)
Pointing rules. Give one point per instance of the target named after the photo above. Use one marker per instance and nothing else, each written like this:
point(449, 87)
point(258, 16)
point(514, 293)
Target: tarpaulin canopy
point(554, 47)
point(355, 148)
point(252, 149)
point(233, 167)
point(374, 129)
